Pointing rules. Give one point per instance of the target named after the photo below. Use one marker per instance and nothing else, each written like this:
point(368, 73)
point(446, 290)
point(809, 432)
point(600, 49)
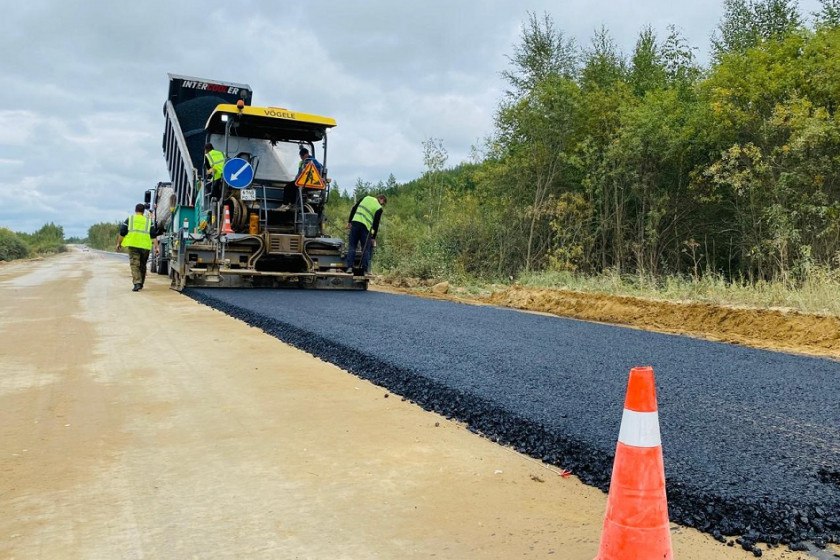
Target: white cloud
point(84, 82)
point(17, 127)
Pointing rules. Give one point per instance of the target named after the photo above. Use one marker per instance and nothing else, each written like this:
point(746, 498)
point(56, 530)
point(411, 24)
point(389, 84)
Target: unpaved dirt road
point(144, 425)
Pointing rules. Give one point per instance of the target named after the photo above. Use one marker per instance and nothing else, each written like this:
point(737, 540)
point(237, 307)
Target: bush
point(48, 239)
point(103, 236)
point(11, 246)
point(431, 259)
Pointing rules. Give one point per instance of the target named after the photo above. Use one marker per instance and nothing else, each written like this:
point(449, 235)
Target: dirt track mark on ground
point(57, 425)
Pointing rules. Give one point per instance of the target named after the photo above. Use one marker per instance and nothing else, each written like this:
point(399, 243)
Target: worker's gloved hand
point(348, 226)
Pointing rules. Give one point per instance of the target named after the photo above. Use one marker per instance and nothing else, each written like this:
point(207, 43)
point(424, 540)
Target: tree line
point(648, 164)
point(49, 239)
point(15, 245)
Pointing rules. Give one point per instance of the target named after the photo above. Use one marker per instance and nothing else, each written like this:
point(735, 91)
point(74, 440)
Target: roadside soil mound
point(764, 328)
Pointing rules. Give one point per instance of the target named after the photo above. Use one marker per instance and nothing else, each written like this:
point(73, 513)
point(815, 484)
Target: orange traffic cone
point(226, 228)
point(636, 522)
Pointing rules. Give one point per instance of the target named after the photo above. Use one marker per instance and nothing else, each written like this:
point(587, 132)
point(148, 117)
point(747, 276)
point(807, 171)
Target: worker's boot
point(137, 287)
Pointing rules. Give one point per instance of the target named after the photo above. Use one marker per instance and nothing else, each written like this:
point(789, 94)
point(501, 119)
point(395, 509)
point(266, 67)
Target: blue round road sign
point(238, 173)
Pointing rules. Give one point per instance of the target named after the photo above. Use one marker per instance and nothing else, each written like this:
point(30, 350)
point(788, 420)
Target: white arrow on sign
point(236, 175)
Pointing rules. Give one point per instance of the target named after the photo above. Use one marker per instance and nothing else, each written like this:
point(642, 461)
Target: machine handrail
point(186, 162)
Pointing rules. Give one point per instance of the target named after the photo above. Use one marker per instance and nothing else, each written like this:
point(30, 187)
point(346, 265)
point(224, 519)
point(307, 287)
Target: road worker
point(306, 157)
point(137, 234)
point(363, 224)
point(291, 192)
point(215, 162)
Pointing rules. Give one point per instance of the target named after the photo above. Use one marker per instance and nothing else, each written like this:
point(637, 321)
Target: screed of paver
point(144, 425)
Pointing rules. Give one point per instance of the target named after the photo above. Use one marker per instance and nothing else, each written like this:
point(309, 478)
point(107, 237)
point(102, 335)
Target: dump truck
point(262, 224)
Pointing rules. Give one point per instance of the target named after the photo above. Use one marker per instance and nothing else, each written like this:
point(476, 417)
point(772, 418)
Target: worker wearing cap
point(215, 162)
point(306, 157)
point(364, 225)
point(136, 235)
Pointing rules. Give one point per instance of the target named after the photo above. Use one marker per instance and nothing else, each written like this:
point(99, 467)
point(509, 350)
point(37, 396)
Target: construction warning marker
point(310, 177)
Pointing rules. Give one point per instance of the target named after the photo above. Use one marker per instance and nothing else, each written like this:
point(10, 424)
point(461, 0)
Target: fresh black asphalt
point(751, 438)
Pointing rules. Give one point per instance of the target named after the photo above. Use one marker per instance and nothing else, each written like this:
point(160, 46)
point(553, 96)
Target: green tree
point(537, 132)
point(362, 189)
point(649, 162)
point(776, 19)
point(736, 31)
point(818, 68)
point(434, 158)
point(746, 23)
point(829, 14)
point(603, 65)
point(48, 239)
point(542, 52)
point(535, 124)
point(103, 235)
point(681, 69)
point(647, 70)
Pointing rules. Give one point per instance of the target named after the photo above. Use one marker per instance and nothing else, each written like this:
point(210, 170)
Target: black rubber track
point(751, 438)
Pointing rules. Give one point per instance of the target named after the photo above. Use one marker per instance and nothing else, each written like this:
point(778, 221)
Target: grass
point(817, 293)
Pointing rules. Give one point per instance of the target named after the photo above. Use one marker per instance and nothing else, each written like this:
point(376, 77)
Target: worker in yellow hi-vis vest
point(363, 224)
point(214, 161)
point(137, 234)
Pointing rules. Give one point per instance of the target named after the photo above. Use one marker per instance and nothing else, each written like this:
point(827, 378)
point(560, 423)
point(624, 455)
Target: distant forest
point(645, 164)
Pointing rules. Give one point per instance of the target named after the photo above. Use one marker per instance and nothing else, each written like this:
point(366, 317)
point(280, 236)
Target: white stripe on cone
point(640, 429)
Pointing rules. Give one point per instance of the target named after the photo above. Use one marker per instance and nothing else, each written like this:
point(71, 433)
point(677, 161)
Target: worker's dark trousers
point(138, 258)
point(214, 187)
point(358, 236)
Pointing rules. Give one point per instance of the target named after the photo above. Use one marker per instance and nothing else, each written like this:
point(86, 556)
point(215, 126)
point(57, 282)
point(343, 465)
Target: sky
point(82, 84)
